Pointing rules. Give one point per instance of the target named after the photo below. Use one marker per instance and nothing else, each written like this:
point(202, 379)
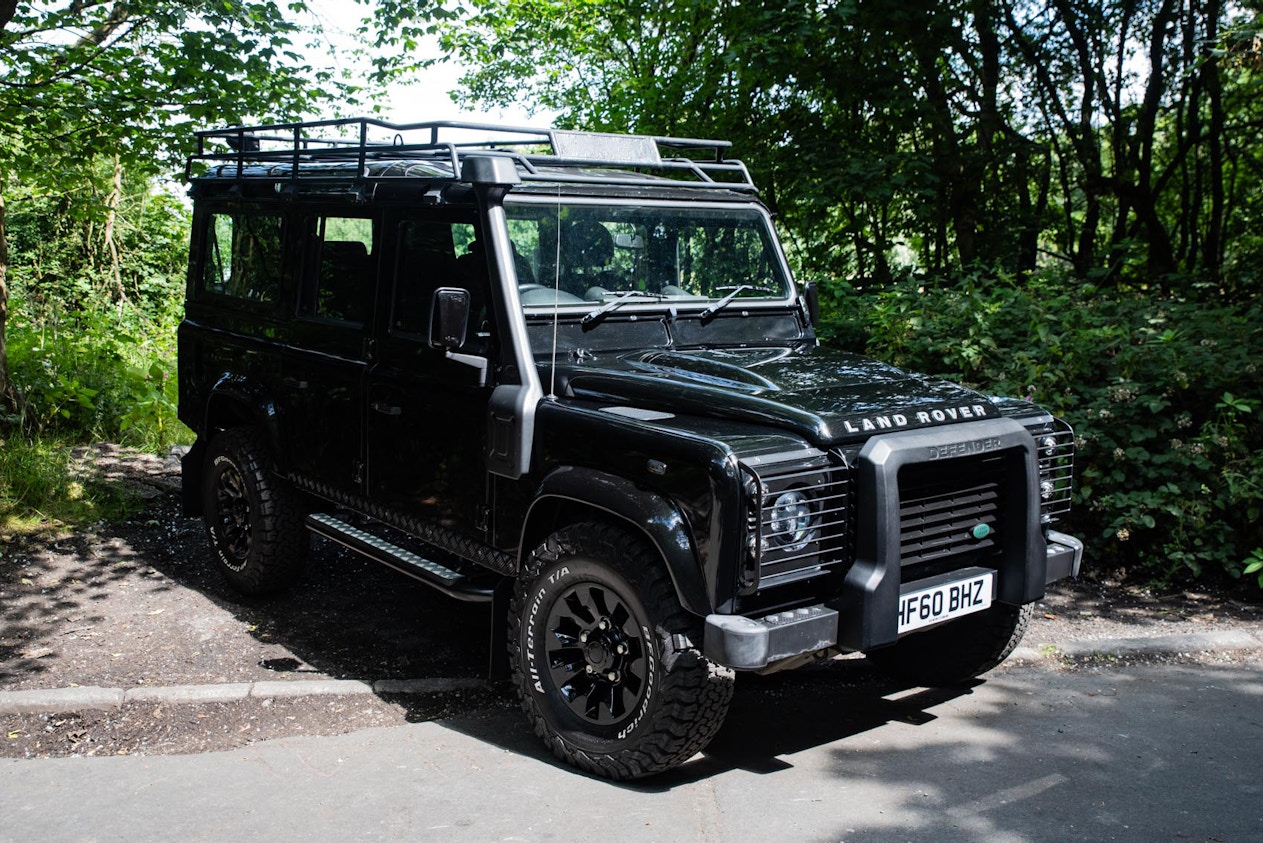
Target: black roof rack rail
point(366, 149)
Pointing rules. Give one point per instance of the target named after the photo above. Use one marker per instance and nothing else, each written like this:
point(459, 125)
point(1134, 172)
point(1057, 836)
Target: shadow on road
point(771, 717)
point(147, 590)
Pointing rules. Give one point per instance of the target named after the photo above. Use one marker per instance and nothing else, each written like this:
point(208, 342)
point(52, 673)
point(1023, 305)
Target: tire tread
point(694, 693)
point(280, 541)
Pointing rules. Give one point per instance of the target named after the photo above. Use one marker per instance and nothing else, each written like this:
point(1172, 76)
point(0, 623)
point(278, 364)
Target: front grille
point(943, 507)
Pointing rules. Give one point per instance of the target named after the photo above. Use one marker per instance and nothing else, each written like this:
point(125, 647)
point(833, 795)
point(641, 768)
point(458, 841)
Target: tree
point(127, 81)
point(1110, 135)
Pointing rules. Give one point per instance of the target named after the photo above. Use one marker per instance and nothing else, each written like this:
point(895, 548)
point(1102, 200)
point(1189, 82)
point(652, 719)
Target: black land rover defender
point(569, 374)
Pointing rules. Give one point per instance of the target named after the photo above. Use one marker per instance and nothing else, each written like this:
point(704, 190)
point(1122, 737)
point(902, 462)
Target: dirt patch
point(1089, 609)
point(139, 603)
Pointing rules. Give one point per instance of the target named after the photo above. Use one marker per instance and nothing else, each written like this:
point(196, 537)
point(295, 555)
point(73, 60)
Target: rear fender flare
point(234, 401)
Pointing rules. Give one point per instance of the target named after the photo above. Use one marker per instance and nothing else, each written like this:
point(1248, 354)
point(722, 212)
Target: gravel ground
point(139, 604)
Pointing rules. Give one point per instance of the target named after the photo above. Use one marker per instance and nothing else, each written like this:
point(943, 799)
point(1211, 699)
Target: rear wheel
point(255, 521)
point(957, 651)
point(604, 658)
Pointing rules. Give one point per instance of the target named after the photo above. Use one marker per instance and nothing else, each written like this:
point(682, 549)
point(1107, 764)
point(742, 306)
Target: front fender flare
point(647, 513)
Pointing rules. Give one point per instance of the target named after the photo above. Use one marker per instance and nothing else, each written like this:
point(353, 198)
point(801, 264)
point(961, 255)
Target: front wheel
point(604, 659)
point(957, 651)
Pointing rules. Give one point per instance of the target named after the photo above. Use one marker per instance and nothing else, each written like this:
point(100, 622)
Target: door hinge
point(482, 518)
point(357, 475)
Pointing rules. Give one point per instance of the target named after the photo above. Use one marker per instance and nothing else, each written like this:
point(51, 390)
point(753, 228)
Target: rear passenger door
point(322, 414)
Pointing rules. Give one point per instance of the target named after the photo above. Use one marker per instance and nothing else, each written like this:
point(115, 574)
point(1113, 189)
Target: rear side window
point(340, 274)
point(243, 257)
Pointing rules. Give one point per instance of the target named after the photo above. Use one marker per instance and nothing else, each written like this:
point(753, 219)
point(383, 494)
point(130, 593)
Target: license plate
point(944, 601)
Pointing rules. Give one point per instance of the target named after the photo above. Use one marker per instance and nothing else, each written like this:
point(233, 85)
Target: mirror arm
point(479, 363)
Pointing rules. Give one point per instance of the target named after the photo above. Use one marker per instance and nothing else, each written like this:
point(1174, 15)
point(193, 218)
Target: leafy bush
point(106, 374)
point(1162, 393)
point(91, 342)
point(92, 318)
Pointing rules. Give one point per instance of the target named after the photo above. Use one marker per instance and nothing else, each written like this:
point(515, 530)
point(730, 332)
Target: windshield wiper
point(623, 297)
point(709, 312)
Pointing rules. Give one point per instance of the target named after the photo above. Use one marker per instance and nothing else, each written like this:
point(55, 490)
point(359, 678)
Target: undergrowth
point(39, 490)
point(91, 337)
point(1164, 393)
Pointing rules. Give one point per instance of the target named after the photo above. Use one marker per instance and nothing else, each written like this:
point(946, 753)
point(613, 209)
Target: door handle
point(386, 409)
point(294, 383)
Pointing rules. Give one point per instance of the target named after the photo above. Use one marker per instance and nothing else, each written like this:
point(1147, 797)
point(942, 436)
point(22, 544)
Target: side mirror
point(449, 318)
point(811, 300)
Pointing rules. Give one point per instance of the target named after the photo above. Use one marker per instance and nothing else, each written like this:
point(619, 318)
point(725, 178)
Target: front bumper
point(783, 637)
point(754, 643)
point(1065, 555)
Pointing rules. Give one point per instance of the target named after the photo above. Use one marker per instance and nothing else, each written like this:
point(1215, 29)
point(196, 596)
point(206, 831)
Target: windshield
point(581, 255)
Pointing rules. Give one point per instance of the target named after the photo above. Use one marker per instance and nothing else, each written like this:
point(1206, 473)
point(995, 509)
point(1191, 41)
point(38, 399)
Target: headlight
point(795, 509)
point(792, 525)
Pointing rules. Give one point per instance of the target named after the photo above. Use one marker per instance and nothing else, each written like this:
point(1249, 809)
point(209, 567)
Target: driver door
point(427, 414)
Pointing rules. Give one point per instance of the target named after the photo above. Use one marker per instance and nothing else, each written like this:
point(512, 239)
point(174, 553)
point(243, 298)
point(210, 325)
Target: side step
point(431, 573)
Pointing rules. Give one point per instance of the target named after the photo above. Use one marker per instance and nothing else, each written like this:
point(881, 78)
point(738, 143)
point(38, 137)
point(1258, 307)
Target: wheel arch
point(233, 401)
point(569, 495)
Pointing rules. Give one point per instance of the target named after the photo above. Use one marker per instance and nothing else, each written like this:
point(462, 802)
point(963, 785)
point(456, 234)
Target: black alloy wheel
point(233, 514)
point(597, 655)
point(253, 518)
point(603, 656)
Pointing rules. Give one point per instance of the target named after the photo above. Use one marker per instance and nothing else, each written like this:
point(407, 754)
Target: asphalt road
point(1138, 752)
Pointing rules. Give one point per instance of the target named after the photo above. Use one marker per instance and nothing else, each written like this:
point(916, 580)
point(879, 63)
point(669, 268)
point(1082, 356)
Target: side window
point(243, 256)
point(534, 249)
point(339, 274)
point(433, 255)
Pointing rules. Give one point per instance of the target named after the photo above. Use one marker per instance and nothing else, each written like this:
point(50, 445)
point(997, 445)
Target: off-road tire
point(957, 651)
point(254, 520)
point(652, 701)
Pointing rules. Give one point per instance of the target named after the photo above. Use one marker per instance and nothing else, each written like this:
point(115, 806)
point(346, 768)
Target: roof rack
point(365, 149)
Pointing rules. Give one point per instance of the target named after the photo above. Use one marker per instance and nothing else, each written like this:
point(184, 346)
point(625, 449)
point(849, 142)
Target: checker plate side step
point(435, 574)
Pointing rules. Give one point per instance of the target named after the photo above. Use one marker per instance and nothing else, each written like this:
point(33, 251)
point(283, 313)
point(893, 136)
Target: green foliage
point(91, 328)
point(1169, 468)
point(1120, 139)
point(134, 78)
point(121, 86)
point(105, 374)
point(38, 486)
point(1254, 564)
point(63, 261)
point(91, 342)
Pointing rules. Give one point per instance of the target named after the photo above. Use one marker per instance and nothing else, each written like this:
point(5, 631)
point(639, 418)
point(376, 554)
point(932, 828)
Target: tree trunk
point(1213, 249)
point(1161, 258)
point(9, 401)
point(111, 247)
